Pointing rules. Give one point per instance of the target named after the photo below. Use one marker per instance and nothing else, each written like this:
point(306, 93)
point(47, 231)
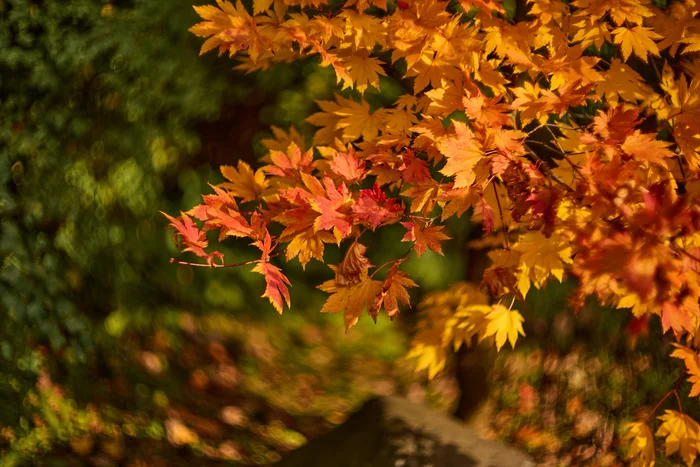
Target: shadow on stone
point(393, 432)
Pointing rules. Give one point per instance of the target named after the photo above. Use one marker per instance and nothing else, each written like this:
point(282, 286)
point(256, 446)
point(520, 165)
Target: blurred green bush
point(102, 108)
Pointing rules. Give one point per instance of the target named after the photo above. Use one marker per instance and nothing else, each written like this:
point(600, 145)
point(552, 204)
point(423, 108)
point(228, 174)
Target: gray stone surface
point(393, 432)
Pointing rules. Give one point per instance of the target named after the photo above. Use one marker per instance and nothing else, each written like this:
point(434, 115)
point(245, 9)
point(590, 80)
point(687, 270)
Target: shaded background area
point(110, 355)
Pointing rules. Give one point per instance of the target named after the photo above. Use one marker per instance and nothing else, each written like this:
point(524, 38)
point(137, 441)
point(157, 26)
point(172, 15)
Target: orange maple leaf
point(194, 240)
point(335, 208)
point(463, 153)
point(393, 292)
point(275, 282)
point(352, 300)
point(243, 183)
point(646, 147)
point(429, 237)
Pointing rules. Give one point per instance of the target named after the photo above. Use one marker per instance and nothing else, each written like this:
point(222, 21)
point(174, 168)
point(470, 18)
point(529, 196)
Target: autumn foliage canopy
point(569, 130)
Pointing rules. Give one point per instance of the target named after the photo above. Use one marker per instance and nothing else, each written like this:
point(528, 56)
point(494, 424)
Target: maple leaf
point(352, 300)
point(639, 40)
point(424, 196)
point(335, 207)
point(243, 183)
point(427, 347)
point(457, 201)
point(692, 365)
point(230, 29)
point(374, 207)
point(504, 324)
point(352, 119)
point(393, 292)
point(194, 240)
point(260, 6)
point(431, 70)
point(646, 147)
point(468, 321)
point(348, 166)
point(462, 153)
point(676, 316)
point(290, 164)
point(682, 435)
point(275, 282)
point(541, 258)
point(424, 237)
point(641, 442)
point(354, 265)
point(693, 41)
point(617, 123)
point(307, 245)
point(413, 169)
point(221, 212)
point(488, 112)
point(621, 82)
point(484, 211)
point(364, 70)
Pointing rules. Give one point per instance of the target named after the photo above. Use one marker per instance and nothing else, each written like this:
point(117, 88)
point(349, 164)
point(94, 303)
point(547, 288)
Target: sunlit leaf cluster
point(569, 130)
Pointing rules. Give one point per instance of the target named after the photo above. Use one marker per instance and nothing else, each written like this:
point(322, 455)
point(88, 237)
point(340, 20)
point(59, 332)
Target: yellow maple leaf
point(591, 31)
point(682, 435)
point(308, 244)
point(621, 82)
point(428, 349)
point(463, 153)
point(693, 42)
point(364, 70)
point(366, 31)
point(467, 321)
point(261, 5)
point(348, 119)
point(639, 40)
point(503, 323)
point(692, 365)
point(641, 442)
point(243, 182)
point(541, 258)
point(431, 70)
point(400, 120)
point(357, 121)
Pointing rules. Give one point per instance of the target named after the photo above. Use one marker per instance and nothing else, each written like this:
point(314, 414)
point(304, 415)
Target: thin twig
point(400, 259)
point(214, 265)
point(549, 172)
point(689, 255)
point(680, 164)
point(503, 222)
point(666, 396)
point(573, 166)
point(678, 399)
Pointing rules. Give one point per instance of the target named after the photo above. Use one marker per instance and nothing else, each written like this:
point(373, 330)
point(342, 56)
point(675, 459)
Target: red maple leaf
point(187, 234)
point(275, 282)
point(413, 169)
point(485, 210)
point(374, 207)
